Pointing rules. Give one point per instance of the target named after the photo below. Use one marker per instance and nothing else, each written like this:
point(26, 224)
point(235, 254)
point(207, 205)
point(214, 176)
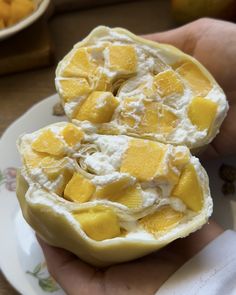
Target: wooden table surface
point(18, 92)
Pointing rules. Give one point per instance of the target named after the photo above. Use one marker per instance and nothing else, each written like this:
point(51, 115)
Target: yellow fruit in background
point(5, 12)
point(99, 223)
point(122, 192)
point(188, 10)
point(19, 10)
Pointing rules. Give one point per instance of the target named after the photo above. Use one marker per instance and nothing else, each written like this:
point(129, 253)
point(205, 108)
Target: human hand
point(213, 43)
point(143, 276)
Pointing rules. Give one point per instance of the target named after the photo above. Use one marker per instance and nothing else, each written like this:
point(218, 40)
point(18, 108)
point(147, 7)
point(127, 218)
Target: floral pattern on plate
point(45, 281)
point(8, 177)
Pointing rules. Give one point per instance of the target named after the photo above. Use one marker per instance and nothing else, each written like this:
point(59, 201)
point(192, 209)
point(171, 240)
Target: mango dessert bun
point(118, 181)
point(140, 88)
point(109, 198)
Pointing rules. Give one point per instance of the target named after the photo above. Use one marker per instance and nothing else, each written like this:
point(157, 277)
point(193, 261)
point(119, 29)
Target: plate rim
point(25, 114)
point(5, 272)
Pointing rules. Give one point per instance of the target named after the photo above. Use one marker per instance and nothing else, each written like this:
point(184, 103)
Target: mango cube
point(72, 135)
point(202, 112)
point(188, 189)
point(154, 118)
point(157, 119)
point(99, 223)
point(122, 192)
point(161, 220)
point(122, 58)
point(130, 197)
point(48, 143)
point(98, 107)
point(110, 189)
point(79, 189)
point(73, 88)
point(142, 159)
point(180, 158)
point(167, 83)
point(80, 65)
point(102, 82)
point(198, 82)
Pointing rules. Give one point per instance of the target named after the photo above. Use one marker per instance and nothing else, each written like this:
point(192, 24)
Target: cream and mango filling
point(119, 83)
point(127, 187)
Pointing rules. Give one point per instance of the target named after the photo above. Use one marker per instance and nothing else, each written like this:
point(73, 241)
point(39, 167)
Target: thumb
point(72, 274)
point(182, 38)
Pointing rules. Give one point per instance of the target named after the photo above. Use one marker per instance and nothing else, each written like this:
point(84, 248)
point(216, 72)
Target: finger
point(55, 255)
point(72, 274)
point(181, 38)
point(196, 241)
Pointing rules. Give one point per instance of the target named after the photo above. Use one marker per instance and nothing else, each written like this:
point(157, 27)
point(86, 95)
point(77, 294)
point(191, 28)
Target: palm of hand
point(141, 277)
point(213, 43)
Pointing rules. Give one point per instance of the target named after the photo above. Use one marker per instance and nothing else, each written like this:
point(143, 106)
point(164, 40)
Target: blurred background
point(36, 34)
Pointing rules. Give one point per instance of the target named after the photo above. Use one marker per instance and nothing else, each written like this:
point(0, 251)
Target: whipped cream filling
point(103, 165)
point(150, 61)
point(105, 162)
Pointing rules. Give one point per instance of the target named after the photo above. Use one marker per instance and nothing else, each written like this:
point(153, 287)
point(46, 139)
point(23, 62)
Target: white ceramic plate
point(42, 6)
point(21, 259)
